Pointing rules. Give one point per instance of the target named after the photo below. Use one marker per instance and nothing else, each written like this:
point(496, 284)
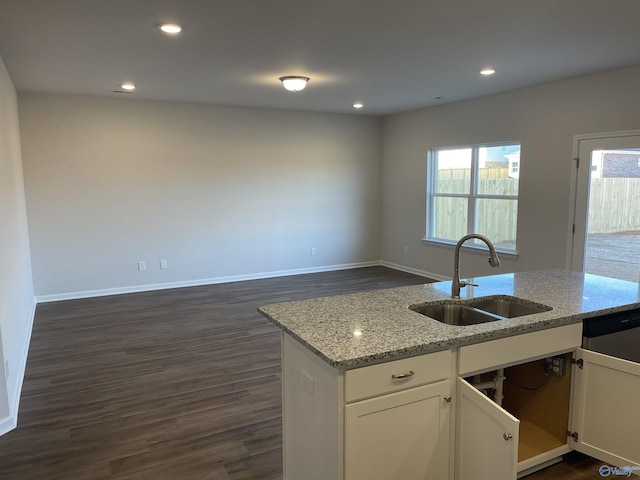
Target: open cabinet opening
point(538, 397)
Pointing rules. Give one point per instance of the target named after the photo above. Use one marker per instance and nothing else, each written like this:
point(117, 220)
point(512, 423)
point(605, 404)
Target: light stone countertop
point(389, 330)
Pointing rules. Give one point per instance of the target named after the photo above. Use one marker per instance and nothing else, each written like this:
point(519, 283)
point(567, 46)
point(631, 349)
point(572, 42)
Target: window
point(474, 189)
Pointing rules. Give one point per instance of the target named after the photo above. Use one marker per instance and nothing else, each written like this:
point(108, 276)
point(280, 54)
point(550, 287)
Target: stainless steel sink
point(508, 307)
point(479, 310)
point(454, 314)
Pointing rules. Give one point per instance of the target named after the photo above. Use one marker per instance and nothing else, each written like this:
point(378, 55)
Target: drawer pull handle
point(507, 436)
point(400, 376)
point(447, 398)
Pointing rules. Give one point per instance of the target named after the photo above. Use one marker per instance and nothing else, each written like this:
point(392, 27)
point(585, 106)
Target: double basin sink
point(478, 310)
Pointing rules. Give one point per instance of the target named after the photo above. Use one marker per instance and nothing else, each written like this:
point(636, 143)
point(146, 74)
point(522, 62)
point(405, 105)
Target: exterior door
point(606, 215)
point(486, 437)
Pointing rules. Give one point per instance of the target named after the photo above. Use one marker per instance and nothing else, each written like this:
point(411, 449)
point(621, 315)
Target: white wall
point(220, 193)
point(16, 288)
point(545, 119)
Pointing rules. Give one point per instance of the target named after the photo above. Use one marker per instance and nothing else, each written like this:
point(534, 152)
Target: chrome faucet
point(494, 261)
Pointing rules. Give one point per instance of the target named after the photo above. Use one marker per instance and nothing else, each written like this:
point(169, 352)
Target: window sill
point(503, 253)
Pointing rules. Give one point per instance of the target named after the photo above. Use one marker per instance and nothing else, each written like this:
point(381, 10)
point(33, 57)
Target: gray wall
point(233, 193)
point(545, 119)
point(16, 288)
point(220, 193)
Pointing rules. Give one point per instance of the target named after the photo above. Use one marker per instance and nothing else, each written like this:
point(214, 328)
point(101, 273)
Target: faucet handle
point(464, 283)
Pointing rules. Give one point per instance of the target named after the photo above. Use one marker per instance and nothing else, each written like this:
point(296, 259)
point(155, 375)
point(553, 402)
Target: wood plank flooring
point(175, 384)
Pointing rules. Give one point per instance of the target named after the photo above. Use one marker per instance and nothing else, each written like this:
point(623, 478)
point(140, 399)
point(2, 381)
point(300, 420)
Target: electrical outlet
point(6, 369)
point(313, 251)
point(554, 365)
point(406, 250)
point(308, 382)
point(163, 264)
point(142, 266)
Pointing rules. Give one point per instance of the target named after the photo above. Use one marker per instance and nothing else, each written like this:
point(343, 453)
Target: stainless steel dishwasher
point(616, 334)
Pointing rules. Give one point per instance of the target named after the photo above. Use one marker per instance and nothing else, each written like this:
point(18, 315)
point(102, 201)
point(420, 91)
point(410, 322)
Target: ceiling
point(391, 55)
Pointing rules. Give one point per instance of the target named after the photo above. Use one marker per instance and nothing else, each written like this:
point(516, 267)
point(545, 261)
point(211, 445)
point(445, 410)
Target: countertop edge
point(351, 363)
point(572, 310)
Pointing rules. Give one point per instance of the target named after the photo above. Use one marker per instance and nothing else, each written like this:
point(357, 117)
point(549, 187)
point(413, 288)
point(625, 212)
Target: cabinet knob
point(447, 398)
point(399, 376)
point(507, 436)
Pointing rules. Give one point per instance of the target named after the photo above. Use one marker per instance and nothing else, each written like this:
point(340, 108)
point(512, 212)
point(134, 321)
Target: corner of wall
point(16, 281)
point(10, 422)
point(7, 424)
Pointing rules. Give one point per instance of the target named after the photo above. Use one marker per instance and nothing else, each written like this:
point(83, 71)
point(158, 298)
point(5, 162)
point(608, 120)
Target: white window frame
point(472, 196)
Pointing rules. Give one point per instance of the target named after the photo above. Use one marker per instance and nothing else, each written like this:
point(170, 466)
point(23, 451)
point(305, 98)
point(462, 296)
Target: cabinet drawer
point(511, 350)
point(396, 375)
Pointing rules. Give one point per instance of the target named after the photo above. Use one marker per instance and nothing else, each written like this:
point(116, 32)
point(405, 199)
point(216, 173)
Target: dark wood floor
point(175, 384)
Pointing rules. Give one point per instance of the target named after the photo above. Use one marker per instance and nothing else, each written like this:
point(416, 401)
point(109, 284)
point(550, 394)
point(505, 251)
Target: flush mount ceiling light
point(171, 28)
point(294, 83)
point(128, 86)
point(487, 71)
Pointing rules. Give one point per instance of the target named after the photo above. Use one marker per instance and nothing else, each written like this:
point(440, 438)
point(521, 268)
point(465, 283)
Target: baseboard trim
point(23, 365)
point(7, 424)
point(415, 271)
point(11, 422)
point(196, 283)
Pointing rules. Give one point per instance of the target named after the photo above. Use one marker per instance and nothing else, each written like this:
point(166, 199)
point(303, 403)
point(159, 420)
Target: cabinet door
point(606, 413)
point(399, 436)
point(486, 437)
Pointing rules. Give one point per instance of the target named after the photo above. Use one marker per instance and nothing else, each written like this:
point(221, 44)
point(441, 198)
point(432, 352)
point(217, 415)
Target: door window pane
point(613, 227)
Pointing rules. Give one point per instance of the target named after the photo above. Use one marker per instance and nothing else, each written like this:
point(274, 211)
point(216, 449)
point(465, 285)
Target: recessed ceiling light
point(171, 28)
point(358, 105)
point(128, 86)
point(487, 71)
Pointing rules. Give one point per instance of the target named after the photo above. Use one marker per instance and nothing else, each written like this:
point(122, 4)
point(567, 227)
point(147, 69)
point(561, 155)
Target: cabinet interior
point(540, 401)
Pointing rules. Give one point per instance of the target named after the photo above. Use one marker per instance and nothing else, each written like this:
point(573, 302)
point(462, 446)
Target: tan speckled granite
point(389, 330)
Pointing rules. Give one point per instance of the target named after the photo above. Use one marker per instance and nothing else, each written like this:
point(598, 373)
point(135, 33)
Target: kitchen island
point(367, 380)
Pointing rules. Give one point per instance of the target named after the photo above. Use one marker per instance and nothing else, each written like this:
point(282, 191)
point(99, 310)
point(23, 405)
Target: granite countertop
point(385, 328)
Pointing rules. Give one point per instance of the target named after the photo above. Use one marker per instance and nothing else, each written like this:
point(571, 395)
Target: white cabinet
point(389, 421)
point(606, 414)
point(402, 435)
point(383, 378)
point(395, 420)
point(312, 431)
point(592, 409)
point(520, 348)
point(486, 437)
point(529, 429)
